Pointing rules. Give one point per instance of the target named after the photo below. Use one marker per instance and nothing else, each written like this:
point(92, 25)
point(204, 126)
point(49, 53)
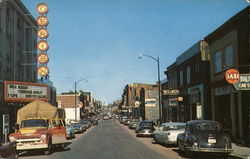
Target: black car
point(145, 128)
point(94, 121)
point(204, 136)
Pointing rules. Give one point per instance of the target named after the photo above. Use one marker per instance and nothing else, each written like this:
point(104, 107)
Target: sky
point(100, 40)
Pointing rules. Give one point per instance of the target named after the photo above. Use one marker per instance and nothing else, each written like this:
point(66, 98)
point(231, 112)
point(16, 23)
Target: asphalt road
point(108, 140)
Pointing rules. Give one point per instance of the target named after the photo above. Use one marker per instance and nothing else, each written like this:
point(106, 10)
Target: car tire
point(48, 150)
point(62, 146)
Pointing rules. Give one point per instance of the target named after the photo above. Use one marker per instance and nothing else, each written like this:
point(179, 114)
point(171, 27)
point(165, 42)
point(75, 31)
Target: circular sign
point(42, 45)
point(42, 33)
point(42, 8)
point(232, 76)
point(43, 70)
point(43, 58)
point(42, 21)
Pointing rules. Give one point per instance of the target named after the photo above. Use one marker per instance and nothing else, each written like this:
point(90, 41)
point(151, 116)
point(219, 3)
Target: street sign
point(171, 92)
point(42, 8)
point(42, 45)
point(42, 21)
point(243, 83)
point(42, 33)
point(232, 76)
point(43, 70)
point(43, 58)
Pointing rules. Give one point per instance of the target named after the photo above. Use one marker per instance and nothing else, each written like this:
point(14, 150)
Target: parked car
point(127, 121)
point(204, 136)
point(105, 117)
point(134, 123)
point(86, 123)
point(123, 118)
point(167, 133)
point(78, 128)
point(93, 121)
point(145, 128)
point(70, 131)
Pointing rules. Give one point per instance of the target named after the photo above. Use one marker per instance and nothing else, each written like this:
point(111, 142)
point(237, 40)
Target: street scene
point(129, 79)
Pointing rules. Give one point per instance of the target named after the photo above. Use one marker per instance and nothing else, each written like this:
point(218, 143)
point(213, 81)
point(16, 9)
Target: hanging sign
point(42, 33)
point(43, 58)
point(42, 45)
point(243, 83)
point(42, 21)
point(43, 70)
point(232, 76)
point(42, 8)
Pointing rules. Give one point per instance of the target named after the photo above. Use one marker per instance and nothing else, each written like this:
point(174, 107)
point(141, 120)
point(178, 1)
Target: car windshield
point(34, 123)
point(174, 127)
point(208, 127)
point(146, 125)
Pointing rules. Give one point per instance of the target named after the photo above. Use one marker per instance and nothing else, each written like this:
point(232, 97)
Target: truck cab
point(39, 133)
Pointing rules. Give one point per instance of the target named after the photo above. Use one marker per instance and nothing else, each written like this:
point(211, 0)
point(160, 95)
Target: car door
point(58, 131)
point(157, 134)
point(164, 135)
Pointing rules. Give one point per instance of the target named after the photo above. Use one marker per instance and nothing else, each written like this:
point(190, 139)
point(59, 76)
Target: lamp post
point(159, 81)
point(75, 95)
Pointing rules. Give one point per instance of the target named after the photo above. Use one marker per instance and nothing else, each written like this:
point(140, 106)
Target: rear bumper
point(145, 134)
point(210, 150)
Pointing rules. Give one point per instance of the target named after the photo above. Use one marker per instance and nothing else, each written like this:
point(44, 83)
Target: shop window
point(217, 62)
point(229, 55)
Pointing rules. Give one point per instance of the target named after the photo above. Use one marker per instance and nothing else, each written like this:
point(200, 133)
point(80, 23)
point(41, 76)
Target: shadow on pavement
point(41, 152)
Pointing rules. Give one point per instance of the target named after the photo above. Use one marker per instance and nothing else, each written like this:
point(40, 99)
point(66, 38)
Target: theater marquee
point(24, 91)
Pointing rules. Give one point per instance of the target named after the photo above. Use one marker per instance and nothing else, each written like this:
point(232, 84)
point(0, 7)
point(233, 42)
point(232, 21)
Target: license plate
point(211, 141)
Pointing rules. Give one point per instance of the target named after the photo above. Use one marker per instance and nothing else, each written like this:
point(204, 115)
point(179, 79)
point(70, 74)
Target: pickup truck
point(39, 127)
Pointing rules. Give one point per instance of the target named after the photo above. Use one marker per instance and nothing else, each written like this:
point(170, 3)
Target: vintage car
point(70, 131)
point(167, 133)
point(145, 128)
point(204, 136)
point(78, 127)
point(133, 123)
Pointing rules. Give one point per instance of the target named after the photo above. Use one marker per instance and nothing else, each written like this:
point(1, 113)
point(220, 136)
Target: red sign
point(232, 76)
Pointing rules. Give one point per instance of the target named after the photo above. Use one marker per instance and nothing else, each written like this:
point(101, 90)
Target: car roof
point(202, 121)
point(172, 123)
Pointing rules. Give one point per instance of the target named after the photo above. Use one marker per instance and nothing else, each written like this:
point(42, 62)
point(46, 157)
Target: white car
point(167, 133)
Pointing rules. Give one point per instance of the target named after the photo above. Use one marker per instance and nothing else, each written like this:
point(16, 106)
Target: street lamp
point(75, 95)
point(159, 81)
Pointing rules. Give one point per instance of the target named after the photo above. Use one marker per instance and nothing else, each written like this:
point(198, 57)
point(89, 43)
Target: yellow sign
point(42, 21)
point(43, 58)
point(43, 70)
point(42, 8)
point(42, 45)
point(42, 33)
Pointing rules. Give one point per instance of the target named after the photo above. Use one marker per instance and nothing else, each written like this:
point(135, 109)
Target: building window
point(229, 55)
point(181, 78)
point(217, 62)
point(188, 75)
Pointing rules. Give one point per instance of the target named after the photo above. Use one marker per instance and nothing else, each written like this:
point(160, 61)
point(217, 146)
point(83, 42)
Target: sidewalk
point(240, 152)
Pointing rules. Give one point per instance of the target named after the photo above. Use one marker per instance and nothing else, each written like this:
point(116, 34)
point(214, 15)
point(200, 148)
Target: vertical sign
point(42, 34)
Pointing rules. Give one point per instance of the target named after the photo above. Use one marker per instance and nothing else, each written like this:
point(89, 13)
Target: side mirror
point(16, 126)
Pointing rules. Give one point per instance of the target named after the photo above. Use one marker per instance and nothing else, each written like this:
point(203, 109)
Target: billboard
point(24, 92)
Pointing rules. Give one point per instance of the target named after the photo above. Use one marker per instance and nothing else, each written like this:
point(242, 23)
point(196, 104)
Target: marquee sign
point(24, 92)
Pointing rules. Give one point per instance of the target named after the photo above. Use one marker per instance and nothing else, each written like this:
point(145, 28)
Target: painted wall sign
point(232, 76)
point(150, 102)
point(243, 83)
point(42, 8)
point(24, 91)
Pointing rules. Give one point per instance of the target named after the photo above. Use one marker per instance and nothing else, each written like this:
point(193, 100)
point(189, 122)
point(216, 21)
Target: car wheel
point(48, 150)
point(62, 146)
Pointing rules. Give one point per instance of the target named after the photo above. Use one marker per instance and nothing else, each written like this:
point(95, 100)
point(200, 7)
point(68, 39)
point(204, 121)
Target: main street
point(108, 140)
